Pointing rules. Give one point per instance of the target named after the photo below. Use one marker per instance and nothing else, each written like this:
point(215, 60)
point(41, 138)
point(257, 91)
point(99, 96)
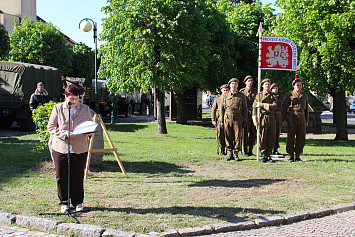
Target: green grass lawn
point(177, 180)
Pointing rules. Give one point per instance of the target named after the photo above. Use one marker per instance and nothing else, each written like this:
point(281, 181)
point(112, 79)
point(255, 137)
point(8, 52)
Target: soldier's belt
point(299, 112)
point(233, 112)
point(277, 112)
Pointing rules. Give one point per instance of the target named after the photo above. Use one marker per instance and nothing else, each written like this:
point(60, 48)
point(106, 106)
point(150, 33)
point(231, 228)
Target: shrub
point(41, 117)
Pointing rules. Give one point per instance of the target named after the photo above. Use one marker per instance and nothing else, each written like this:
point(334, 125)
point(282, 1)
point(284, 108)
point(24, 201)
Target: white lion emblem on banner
point(277, 56)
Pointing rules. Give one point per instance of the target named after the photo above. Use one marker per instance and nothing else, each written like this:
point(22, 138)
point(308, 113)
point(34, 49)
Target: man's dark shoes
point(236, 158)
point(230, 157)
point(276, 153)
point(292, 159)
point(298, 158)
point(270, 160)
point(264, 159)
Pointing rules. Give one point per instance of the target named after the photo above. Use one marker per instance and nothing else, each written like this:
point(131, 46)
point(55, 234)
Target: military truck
point(17, 82)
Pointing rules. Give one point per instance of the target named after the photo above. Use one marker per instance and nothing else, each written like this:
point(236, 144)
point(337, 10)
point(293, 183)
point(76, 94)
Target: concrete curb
point(50, 225)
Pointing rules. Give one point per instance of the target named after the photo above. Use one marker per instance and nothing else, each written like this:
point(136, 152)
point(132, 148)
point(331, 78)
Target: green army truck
point(17, 82)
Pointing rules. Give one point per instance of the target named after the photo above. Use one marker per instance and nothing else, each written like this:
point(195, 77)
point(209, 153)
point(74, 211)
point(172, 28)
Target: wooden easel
point(113, 149)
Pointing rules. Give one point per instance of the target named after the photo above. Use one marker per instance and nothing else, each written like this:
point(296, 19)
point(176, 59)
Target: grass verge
point(177, 180)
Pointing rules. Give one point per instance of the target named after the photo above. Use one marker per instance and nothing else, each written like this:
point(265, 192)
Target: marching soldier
point(278, 117)
point(249, 130)
point(295, 116)
point(266, 101)
point(235, 106)
point(217, 120)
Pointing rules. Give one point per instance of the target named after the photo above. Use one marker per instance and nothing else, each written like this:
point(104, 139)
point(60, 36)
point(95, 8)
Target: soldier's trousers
point(298, 130)
point(233, 131)
point(221, 135)
point(249, 136)
point(278, 120)
point(267, 134)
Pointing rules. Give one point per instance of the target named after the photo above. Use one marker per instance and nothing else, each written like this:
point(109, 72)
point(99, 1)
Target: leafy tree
point(324, 34)
point(40, 43)
point(83, 62)
point(159, 44)
point(244, 20)
point(4, 43)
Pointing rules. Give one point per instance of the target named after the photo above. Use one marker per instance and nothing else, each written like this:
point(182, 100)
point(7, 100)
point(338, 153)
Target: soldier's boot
point(276, 152)
point(292, 158)
point(269, 158)
point(246, 153)
point(263, 158)
point(298, 158)
point(223, 151)
point(230, 156)
point(235, 157)
point(250, 153)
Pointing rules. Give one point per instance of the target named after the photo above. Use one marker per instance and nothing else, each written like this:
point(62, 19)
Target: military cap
point(265, 80)
point(233, 80)
point(295, 81)
point(224, 86)
point(247, 77)
point(40, 83)
point(273, 86)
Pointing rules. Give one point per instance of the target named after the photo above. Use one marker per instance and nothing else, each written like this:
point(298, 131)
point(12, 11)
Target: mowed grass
point(177, 180)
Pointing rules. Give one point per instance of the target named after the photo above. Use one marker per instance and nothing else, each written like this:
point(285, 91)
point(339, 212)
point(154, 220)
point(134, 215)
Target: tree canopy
point(83, 62)
point(324, 34)
point(244, 20)
point(40, 43)
point(162, 43)
point(4, 43)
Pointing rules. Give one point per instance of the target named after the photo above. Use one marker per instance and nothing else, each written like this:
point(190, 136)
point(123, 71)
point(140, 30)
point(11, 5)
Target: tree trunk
point(161, 112)
point(180, 108)
point(341, 116)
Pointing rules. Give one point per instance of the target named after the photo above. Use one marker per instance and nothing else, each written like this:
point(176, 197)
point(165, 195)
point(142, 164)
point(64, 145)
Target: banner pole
point(258, 96)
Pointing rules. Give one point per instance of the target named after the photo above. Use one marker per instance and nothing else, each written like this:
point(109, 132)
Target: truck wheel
point(27, 125)
point(129, 110)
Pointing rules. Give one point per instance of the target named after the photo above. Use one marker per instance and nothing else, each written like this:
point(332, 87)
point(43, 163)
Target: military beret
point(295, 81)
point(273, 86)
point(265, 80)
point(247, 77)
point(224, 86)
point(233, 80)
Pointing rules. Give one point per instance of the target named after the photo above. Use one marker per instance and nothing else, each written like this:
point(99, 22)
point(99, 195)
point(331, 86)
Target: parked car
point(352, 106)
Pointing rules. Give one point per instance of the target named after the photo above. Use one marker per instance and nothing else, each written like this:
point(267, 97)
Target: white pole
point(258, 109)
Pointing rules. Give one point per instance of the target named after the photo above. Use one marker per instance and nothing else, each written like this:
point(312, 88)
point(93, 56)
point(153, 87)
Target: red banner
point(278, 53)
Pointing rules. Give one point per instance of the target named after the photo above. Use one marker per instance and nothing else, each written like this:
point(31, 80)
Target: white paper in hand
point(85, 128)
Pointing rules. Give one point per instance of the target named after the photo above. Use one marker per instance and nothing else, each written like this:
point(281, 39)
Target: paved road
point(12, 231)
point(328, 117)
point(339, 225)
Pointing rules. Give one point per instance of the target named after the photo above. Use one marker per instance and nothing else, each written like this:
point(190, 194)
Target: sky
point(66, 15)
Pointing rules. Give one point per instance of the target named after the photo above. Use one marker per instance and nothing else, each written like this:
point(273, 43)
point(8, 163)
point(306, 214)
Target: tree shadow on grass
point(249, 183)
point(329, 143)
point(17, 157)
point(229, 214)
point(125, 127)
point(333, 160)
point(149, 167)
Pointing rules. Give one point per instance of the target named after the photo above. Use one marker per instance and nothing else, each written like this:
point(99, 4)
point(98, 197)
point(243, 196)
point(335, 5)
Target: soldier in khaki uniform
point(295, 116)
point(249, 130)
point(217, 118)
point(278, 117)
point(266, 101)
point(235, 106)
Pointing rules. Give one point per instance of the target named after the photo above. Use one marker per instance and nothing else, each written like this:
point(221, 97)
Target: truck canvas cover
point(19, 80)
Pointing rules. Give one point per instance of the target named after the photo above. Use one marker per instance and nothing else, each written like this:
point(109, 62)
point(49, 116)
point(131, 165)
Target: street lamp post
point(86, 25)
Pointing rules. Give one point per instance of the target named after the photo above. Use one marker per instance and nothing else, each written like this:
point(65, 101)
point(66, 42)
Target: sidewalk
point(337, 220)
